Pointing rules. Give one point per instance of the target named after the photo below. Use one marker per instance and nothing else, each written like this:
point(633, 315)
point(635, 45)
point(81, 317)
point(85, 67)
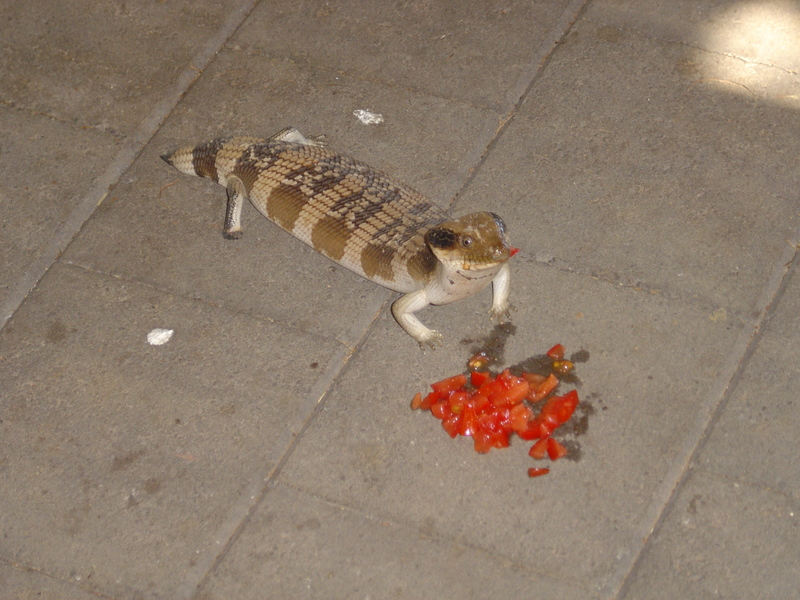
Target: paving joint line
point(493, 128)
point(242, 508)
point(132, 147)
point(522, 566)
point(710, 412)
point(68, 582)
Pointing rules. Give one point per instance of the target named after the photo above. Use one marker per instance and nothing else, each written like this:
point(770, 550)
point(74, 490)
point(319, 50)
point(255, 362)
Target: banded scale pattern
point(357, 216)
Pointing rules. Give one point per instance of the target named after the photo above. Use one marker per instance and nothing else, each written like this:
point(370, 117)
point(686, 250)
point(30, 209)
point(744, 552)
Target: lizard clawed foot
point(430, 341)
point(501, 314)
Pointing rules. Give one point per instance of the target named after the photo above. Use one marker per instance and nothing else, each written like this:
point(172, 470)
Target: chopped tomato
point(492, 407)
point(559, 409)
point(534, 379)
point(506, 379)
point(511, 396)
point(532, 432)
point(534, 472)
point(541, 392)
point(457, 401)
point(555, 449)
point(478, 378)
point(449, 384)
point(490, 421)
point(441, 410)
point(480, 402)
point(482, 441)
point(490, 387)
point(452, 425)
point(512, 252)
point(539, 449)
point(520, 416)
point(429, 401)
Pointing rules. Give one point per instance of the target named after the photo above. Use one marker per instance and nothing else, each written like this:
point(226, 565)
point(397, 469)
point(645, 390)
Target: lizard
point(361, 218)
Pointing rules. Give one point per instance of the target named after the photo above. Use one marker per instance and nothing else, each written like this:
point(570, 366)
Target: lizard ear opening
point(441, 238)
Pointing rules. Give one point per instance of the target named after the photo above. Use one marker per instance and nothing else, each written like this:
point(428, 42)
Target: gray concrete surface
point(646, 157)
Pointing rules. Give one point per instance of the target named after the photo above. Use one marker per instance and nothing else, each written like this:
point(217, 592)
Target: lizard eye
point(466, 241)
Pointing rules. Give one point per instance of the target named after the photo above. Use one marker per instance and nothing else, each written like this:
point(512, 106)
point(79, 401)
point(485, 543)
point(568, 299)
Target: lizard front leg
point(403, 310)
point(501, 287)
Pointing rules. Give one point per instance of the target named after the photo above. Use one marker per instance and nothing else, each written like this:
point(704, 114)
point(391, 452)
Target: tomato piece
point(539, 449)
point(556, 352)
point(533, 431)
point(547, 424)
point(483, 441)
point(559, 409)
point(500, 439)
point(416, 402)
point(571, 400)
point(490, 421)
point(469, 421)
point(503, 416)
point(512, 251)
point(452, 425)
point(534, 379)
point(441, 410)
point(544, 389)
point(429, 401)
point(534, 472)
point(478, 378)
point(450, 384)
point(520, 415)
point(513, 395)
point(555, 449)
point(490, 387)
point(480, 403)
point(457, 401)
point(506, 379)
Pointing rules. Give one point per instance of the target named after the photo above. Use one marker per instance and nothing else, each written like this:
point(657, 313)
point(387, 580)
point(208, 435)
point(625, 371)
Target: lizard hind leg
point(232, 229)
point(290, 134)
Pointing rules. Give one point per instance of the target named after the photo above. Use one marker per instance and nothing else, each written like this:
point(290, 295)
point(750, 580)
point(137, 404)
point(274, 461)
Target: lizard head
point(471, 243)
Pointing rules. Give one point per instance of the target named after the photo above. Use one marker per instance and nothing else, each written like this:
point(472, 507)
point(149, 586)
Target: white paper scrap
point(158, 337)
point(367, 117)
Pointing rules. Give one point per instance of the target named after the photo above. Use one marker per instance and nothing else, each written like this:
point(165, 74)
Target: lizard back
point(359, 217)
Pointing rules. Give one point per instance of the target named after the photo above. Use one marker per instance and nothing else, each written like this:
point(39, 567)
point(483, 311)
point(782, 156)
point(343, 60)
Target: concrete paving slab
point(19, 583)
point(659, 144)
point(46, 166)
point(474, 52)
point(723, 539)
point(297, 546)
point(632, 171)
point(121, 461)
point(101, 65)
point(765, 32)
point(755, 437)
point(650, 374)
